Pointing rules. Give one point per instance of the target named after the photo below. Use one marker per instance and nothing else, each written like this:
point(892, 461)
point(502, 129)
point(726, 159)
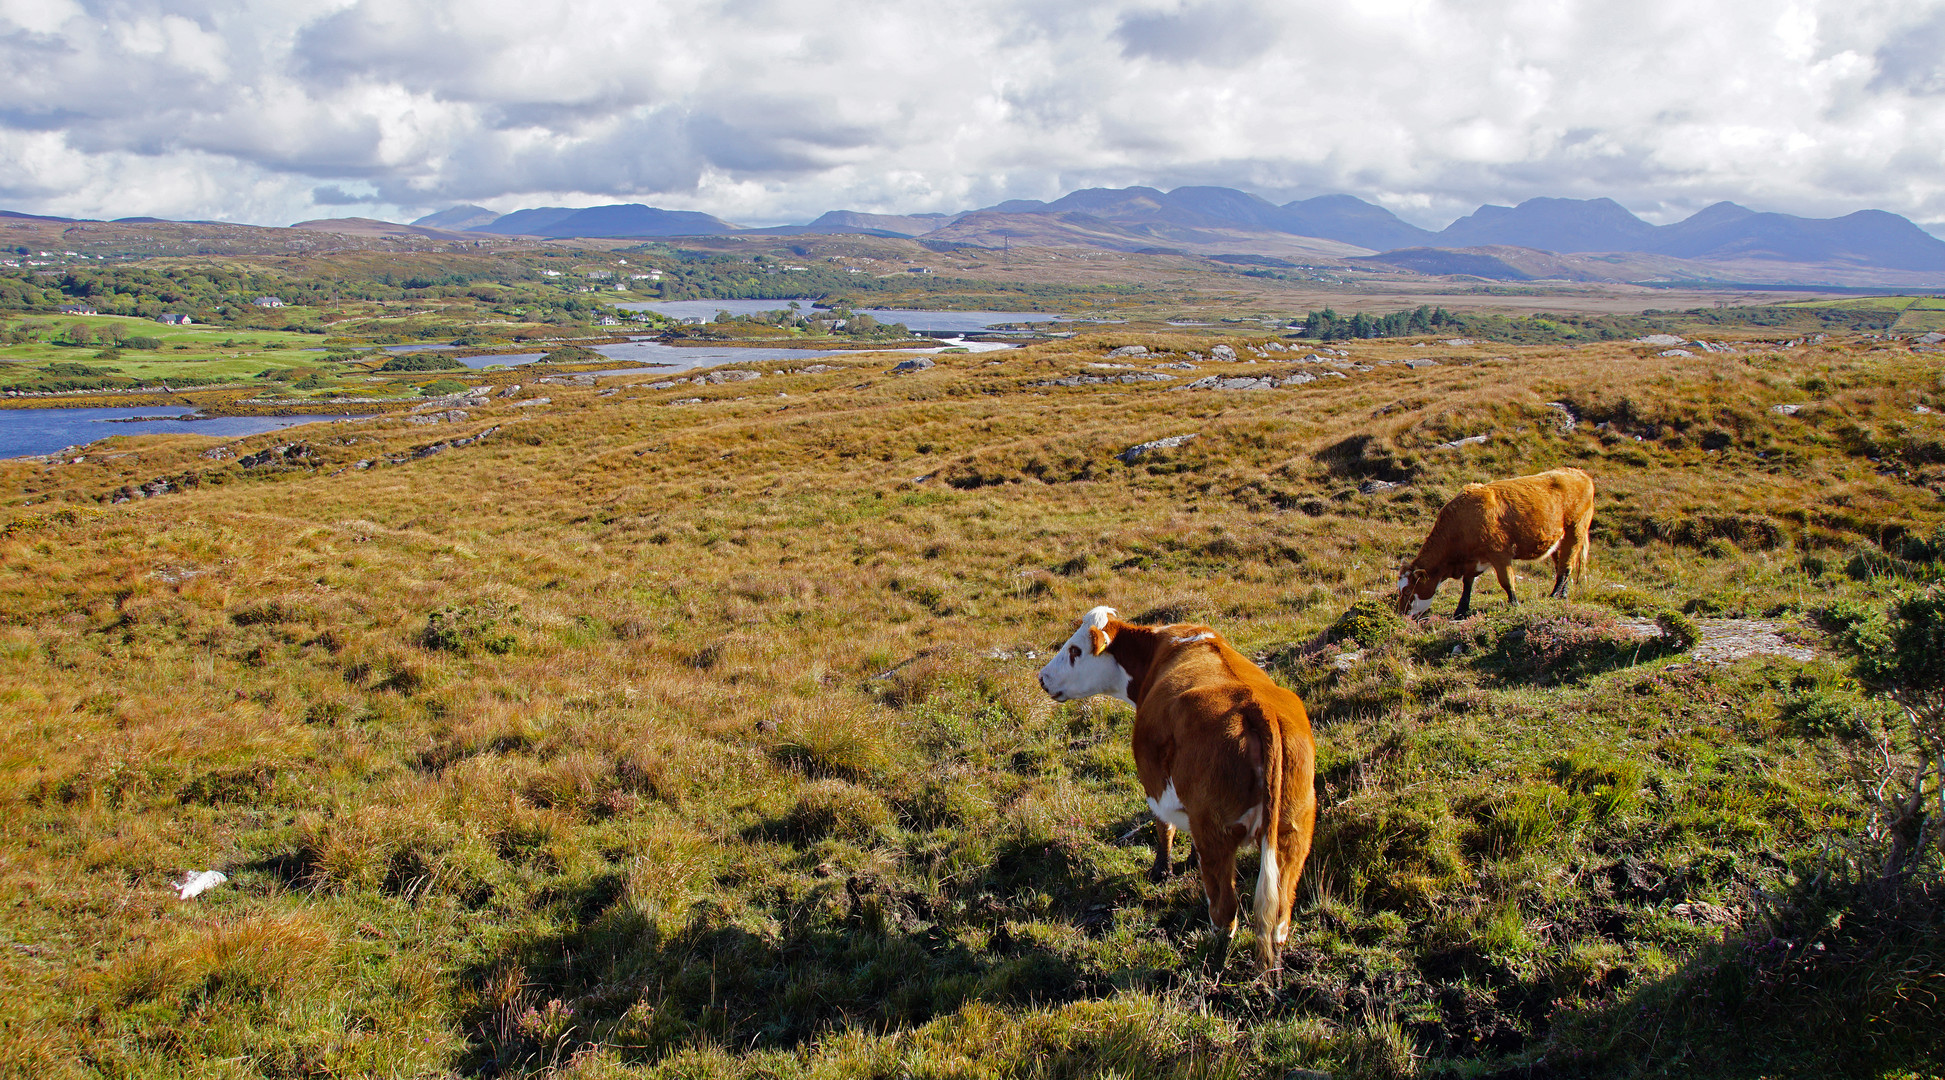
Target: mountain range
point(1209, 220)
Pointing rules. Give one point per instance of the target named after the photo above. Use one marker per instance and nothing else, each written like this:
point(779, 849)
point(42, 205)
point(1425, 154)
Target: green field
point(694, 732)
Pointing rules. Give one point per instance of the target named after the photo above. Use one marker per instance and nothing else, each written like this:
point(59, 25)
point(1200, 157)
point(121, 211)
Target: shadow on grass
point(852, 951)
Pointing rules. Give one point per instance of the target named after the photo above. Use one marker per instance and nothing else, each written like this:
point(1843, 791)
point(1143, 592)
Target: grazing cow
point(1220, 751)
point(1487, 526)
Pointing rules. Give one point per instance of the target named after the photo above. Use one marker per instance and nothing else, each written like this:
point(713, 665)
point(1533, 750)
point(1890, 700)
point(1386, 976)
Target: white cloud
point(763, 111)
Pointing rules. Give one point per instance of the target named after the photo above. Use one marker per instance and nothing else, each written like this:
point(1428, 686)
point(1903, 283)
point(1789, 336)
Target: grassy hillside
point(693, 731)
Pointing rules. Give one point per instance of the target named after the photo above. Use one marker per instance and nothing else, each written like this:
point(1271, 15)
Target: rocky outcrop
point(1134, 453)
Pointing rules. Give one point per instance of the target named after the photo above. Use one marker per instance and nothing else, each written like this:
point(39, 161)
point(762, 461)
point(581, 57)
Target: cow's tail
point(1269, 876)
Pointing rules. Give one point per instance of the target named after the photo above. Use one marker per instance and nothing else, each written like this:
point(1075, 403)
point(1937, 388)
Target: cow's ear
point(1418, 574)
point(1100, 638)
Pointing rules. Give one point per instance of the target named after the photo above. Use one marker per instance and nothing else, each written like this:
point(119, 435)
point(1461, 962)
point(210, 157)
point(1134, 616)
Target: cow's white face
point(1415, 589)
point(1083, 668)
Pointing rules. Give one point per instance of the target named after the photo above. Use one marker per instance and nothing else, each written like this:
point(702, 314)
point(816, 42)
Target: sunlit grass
point(705, 738)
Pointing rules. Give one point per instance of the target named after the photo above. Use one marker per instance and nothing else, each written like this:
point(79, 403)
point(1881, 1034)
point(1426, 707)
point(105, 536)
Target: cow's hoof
point(1158, 873)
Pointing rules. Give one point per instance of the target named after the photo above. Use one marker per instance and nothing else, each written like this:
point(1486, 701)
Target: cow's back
point(1201, 696)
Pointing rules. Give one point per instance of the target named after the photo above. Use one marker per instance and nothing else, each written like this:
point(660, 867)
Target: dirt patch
point(1724, 640)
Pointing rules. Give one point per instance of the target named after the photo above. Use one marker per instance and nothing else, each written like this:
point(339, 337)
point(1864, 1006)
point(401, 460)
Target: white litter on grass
point(200, 882)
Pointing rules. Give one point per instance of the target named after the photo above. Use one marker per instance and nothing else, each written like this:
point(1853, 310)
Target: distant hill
point(1208, 219)
point(1072, 228)
point(619, 220)
point(1865, 238)
point(1723, 232)
point(362, 226)
point(1558, 225)
point(1353, 221)
point(853, 221)
point(459, 217)
point(526, 222)
point(1343, 218)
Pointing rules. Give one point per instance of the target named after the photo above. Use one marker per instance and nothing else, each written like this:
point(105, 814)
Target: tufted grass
point(703, 739)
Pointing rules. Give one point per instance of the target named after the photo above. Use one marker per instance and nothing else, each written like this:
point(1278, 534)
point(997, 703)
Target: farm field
point(694, 732)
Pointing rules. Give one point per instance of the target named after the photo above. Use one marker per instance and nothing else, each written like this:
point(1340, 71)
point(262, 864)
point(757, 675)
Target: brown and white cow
point(1220, 750)
point(1487, 526)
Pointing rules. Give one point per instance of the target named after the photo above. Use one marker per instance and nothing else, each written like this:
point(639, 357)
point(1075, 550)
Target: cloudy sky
point(764, 112)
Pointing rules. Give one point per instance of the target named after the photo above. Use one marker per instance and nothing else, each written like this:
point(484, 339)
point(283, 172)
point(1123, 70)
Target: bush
point(1678, 632)
point(141, 342)
point(571, 354)
point(1370, 623)
point(1562, 642)
point(441, 388)
point(837, 808)
point(421, 361)
point(489, 628)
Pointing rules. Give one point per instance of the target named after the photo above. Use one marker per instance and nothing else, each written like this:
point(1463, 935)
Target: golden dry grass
point(732, 677)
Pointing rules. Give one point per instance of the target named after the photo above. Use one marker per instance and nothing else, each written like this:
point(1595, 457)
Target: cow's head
point(1415, 588)
point(1083, 667)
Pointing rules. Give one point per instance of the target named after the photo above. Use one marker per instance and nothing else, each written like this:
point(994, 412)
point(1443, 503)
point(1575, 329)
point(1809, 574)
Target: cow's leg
point(1293, 849)
point(1563, 562)
point(1164, 845)
point(1506, 582)
point(1219, 880)
point(1465, 596)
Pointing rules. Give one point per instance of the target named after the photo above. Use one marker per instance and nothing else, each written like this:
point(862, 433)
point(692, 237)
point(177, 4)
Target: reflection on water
point(43, 431)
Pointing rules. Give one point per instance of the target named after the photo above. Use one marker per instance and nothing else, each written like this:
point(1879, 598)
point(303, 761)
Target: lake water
point(918, 321)
point(671, 357)
point(43, 431)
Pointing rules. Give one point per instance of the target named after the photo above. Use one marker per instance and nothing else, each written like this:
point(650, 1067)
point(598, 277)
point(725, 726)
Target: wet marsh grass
point(704, 739)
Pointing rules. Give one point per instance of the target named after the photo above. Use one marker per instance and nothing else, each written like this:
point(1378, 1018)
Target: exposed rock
point(450, 416)
point(1346, 661)
point(1724, 640)
point(741, 375)
point(532, 401)
point(510, 390)
point(1100, 380)
point(1790, 409)
point(1932, 338)
point(219, 453)
point(1567, 417)
point(1372, 487)
point(686, 401)
point(288, 454)
point(916, 363)
point(1658, 339)
point(1459, 342)
point(1702, 911)
point(1129, 350)
point(1471, 440)
point(1421, 361)
point(1674, 352)
point(1134, 452)
point(1223, 354)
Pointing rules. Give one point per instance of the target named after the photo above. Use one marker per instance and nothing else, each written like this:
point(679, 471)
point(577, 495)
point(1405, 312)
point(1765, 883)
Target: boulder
point(1134, 452)
point(916, 363)
point(1223, 354)
point(1658, 339)
point(1129, 350)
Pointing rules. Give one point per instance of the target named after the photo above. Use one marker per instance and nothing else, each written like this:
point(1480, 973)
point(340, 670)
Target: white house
point(78, 309)
point(268, 301)
point(174, 318)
